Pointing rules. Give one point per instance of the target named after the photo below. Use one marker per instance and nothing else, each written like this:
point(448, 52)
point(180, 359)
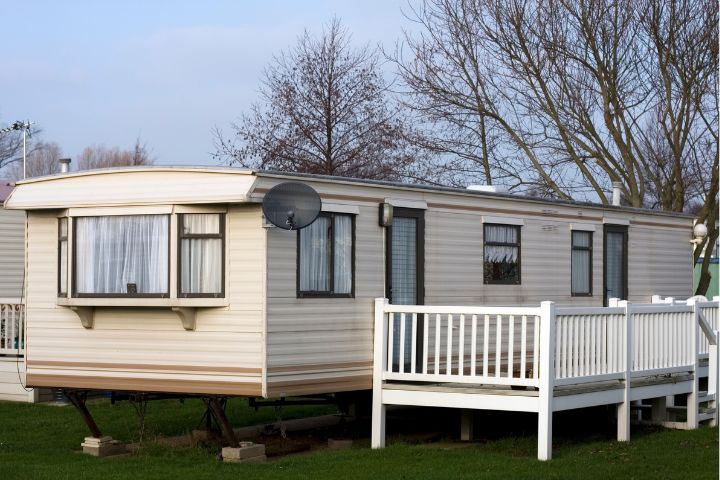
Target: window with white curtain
point(202, 266)
point(325, 256)
point(122, 255)
point(581, 264)
point(501, 254)
point(62, 256)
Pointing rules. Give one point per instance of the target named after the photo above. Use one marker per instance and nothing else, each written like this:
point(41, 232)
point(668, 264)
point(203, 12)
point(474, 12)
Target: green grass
point(41, 441)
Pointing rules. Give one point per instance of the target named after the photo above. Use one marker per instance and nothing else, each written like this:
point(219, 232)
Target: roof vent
point(487, 188)
point(64, 165)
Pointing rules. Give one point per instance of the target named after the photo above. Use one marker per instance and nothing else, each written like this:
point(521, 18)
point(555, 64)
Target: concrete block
point(248, 452)
point(334, 444)
point(102, 447)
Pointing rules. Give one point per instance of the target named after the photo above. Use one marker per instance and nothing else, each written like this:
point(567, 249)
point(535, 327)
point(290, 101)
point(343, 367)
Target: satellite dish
point(291, 205)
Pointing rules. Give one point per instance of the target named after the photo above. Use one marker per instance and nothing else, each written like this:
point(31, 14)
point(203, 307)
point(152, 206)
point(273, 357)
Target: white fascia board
point(407, 203)
point(503, 220)
point(340, 208)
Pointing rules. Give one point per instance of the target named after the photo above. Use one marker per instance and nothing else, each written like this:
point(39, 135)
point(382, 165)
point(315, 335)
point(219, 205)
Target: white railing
point(505, 345)
point(488, 345)
point(12, 327)
point(589, 344)
point(708, 310)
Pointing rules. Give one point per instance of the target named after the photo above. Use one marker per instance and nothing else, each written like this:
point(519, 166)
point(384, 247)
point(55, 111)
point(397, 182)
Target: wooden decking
point(547, 359)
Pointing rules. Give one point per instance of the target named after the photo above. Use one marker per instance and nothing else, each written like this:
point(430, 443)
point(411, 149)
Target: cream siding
point(146, 186)
point(12, 253)
point(150, 344)
point(330, 337)
point(312, 342)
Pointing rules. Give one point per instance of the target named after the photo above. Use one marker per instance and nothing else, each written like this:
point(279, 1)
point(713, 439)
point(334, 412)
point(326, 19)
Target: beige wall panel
point(12, 253)
point(12, 378)
point(310, 331)
point(159, 185)
point(150, 344)
point(656, 265)
point(314, 331)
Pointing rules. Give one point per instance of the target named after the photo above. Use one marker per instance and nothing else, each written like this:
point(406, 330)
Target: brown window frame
point(61, 239)
point(518, 229)
point(328, 294)
point(590, 267)
point(181, 236)
point(75, 293)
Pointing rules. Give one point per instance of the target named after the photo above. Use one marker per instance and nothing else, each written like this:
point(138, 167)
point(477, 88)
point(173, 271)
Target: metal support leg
point(218, 412)
point(466, 425)
point(78, 399)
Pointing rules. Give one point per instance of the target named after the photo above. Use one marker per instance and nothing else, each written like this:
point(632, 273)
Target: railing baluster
point(536, 345)
point(558, 346)
point(498, 346)
point(438, 326)
point(511, 345)
point(426, 327)
point(461, 346)
point(486, 346)
point(413, 344)
point(401, 355)
point(448, 366)
point(391, 340)
point(473, 347)
point(523, 347)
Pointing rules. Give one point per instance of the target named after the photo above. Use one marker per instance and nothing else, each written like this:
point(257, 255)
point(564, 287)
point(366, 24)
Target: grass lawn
point(41, 441)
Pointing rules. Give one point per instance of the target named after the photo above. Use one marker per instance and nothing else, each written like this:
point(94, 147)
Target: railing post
point(713, 377)
point(692, 398)
point(623, 409)
point(547, 380)
point(377, 439)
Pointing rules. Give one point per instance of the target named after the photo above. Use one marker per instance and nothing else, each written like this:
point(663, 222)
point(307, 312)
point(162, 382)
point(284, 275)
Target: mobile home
point(12, 258)
point(169, 279)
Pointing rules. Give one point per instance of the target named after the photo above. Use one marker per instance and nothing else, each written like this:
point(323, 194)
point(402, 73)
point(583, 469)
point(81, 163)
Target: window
point(121, 255)
point(501, 254)
point(581, 264)
point(62, 256)
point(202, 263)
point(326, 256)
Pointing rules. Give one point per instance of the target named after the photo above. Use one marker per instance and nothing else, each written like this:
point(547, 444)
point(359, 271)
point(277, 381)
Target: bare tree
point(563, 97)
point(99, 156)
point(43, 159)
point(325, 109)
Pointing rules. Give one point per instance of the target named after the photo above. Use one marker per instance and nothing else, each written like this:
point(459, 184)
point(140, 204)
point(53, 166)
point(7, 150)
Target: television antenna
point(291, 205)
point(23, 125)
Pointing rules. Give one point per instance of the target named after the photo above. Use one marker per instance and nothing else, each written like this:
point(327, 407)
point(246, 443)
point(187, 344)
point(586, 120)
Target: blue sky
point(106, 72)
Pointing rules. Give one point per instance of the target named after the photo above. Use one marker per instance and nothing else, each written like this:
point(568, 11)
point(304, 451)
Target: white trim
point(503, 220)
point(406, 203)
point(198, 209)
point(340, 208)
point(583, 227)
point(124, 210)
point(616, 221)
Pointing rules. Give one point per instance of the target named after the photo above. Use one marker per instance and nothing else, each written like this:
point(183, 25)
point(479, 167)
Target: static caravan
point(169, 279)
point(12, 262)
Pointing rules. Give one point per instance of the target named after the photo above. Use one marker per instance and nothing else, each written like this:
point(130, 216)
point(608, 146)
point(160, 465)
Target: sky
point(106, 73)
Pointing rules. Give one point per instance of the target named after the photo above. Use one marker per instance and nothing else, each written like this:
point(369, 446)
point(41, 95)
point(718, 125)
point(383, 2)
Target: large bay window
point(124, 255)
point(325, 256)
point(201, 255)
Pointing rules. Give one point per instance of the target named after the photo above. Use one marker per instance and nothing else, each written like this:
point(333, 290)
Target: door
point(404, 282)
point(615, 261)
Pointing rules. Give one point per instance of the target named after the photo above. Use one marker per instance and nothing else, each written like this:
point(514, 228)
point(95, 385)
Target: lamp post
point(25, 127)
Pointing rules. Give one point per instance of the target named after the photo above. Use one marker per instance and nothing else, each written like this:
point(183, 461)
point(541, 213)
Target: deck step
point(706, 397)
point(703, 417)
